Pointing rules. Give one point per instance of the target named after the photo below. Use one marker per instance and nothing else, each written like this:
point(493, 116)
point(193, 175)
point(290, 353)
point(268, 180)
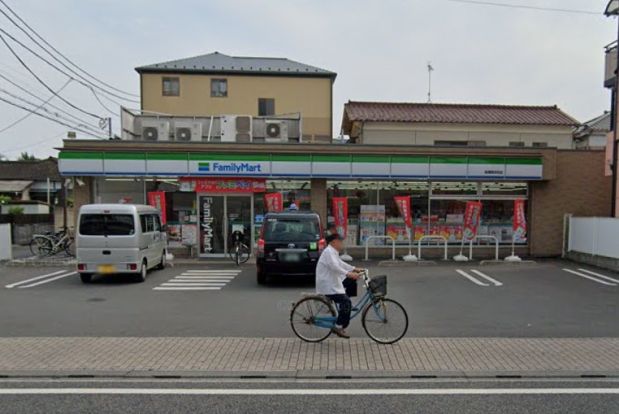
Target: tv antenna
point(430, 70)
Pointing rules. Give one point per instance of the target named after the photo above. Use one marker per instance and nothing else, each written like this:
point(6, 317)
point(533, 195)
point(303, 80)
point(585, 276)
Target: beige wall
point(309, 96)
point(494, 135)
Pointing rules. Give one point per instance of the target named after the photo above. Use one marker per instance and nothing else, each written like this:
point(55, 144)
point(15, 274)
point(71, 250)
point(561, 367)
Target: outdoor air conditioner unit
point(236, 128)
point(155, 130)
point(185, 131)
point(276, 131)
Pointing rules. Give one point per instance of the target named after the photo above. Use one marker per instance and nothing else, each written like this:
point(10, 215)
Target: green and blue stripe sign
point(299, 165)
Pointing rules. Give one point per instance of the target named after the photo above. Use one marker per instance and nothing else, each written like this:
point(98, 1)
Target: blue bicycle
point(384, 320)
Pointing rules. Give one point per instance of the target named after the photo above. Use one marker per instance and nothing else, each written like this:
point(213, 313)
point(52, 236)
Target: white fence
point(6, 252)
point(597, 236)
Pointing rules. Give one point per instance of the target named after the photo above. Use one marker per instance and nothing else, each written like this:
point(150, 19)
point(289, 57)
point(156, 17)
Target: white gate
point(597, 236)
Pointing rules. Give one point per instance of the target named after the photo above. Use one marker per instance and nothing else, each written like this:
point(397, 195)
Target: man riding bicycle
point(331, 271)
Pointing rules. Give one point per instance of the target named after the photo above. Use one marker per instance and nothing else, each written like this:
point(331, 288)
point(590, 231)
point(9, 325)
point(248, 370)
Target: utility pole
point(109, 127)
point(612, 10)
point(430, 70)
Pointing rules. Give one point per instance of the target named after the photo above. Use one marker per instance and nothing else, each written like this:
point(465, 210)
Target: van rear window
point(291, 229)
point(107, 225)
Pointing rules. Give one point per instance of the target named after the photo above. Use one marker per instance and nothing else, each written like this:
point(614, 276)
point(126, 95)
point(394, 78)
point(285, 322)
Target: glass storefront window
point(455, 188)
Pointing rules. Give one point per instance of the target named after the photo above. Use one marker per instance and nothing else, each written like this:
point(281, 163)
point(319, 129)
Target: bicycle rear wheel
point(385, 321)
point(304, 315)
point(69, 247)
point(41, 246)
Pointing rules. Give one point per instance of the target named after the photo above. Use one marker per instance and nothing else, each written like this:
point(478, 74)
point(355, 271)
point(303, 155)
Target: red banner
point(157, 200)
point(273, 202)
point(472, 214)
point(520, 221)
point(340, 214)
point(404, 207)
point(223, 185)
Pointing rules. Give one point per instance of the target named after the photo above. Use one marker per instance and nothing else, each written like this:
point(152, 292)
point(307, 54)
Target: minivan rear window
point(291, 229)
point(107, 225)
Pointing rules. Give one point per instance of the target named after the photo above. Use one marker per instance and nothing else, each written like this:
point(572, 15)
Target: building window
point(516, 144)
point(540, 145)
point(219, 88)
point(266, 106)
point(171, 87)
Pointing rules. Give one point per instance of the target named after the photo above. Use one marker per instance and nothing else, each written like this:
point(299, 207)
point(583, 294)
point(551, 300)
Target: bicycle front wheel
point(242, 254)
point(308, 315)
point(41, 246)
point(385, 321)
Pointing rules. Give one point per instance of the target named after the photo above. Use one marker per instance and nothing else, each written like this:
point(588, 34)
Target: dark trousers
point(344, 306)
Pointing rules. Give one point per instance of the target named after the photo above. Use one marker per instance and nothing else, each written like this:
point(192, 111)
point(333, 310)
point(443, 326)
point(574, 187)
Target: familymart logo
point(230, 167)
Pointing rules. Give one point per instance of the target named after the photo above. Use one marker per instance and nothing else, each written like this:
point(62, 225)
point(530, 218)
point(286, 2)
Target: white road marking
point(488, 278)
point(34, 278)
point(590, 277)
point(186, 288)
point(191, 284)
point(610, 279)
point(193, 275)
point(471, 278)
point(182, 279)
point(214, 271)
point(309, 391)
point(51, 279)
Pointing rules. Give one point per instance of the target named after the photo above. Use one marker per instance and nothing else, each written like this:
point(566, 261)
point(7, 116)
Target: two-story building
point(215, 165)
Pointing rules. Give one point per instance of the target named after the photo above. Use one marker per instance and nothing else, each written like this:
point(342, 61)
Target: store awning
point(14, 186)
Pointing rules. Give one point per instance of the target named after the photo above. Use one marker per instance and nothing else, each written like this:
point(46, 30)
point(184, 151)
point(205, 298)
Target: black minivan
point(289, 245)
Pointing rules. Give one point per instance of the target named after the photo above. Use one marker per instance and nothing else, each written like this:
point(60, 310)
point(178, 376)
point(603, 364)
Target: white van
point(119, 238)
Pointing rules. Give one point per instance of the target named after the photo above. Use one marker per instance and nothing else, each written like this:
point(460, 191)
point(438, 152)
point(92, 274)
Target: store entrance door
point(219, 216)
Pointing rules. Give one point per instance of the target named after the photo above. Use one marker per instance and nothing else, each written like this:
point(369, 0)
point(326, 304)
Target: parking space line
point(51, 279)
point(471, 278)
point(182, 279)
point(191, 275)
point(204, 279)
point(610, 279)
point(590, 277)
point(22, 282)
point(488, 278)
point(235, 271)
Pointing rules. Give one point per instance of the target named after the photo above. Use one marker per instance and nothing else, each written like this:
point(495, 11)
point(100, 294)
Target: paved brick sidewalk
point(291, 357)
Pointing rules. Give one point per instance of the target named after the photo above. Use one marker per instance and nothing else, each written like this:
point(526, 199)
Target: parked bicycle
point(239, 252)
point(50, 243)
point(384, 320)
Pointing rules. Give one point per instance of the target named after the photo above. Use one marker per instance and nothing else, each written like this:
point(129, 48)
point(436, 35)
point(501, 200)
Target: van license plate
point(106, 269)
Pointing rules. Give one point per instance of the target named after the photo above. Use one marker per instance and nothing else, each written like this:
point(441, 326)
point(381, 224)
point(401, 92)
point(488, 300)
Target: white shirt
point(330, 272)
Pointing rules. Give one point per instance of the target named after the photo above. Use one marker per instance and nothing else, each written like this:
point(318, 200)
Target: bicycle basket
point(378, 285)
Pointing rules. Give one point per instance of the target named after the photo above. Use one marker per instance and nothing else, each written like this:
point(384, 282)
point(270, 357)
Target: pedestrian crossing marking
point(199, 280)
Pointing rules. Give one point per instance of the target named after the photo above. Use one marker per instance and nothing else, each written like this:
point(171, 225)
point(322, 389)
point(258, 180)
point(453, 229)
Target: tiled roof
point(454, 114)
point(219, 63)
point(38, 170)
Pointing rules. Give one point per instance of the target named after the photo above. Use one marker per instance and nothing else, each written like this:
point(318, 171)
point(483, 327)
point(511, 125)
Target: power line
point(69, 114)
point(12, 124)
point(91, 129)
point(38, 78)
point(56, 50)
point(15, 149)
point(48, 118)
point(524, 6)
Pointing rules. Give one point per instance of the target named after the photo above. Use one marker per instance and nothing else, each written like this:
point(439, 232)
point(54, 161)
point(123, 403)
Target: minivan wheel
point(162, 263)
point(141, 277)
point(86, 277)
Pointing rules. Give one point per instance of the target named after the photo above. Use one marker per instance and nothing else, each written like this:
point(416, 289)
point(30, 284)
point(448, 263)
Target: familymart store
point(206, 193)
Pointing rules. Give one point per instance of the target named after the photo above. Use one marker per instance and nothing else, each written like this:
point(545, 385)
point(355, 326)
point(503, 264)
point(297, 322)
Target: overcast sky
point(379, 49)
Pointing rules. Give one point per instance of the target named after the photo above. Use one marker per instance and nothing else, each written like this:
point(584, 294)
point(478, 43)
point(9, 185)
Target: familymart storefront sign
point(298, 165)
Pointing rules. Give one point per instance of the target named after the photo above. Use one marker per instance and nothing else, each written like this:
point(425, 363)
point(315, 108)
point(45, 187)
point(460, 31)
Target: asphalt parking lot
point(547, 299)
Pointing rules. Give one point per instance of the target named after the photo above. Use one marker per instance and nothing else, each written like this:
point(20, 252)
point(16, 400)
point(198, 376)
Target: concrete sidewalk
point(289, 357)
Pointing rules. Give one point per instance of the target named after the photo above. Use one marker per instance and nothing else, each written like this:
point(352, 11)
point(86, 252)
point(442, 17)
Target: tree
point(24, 156)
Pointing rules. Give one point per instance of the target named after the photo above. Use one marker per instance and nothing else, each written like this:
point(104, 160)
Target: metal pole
point(613, 203)
point(109, 127)
point(48, 195)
